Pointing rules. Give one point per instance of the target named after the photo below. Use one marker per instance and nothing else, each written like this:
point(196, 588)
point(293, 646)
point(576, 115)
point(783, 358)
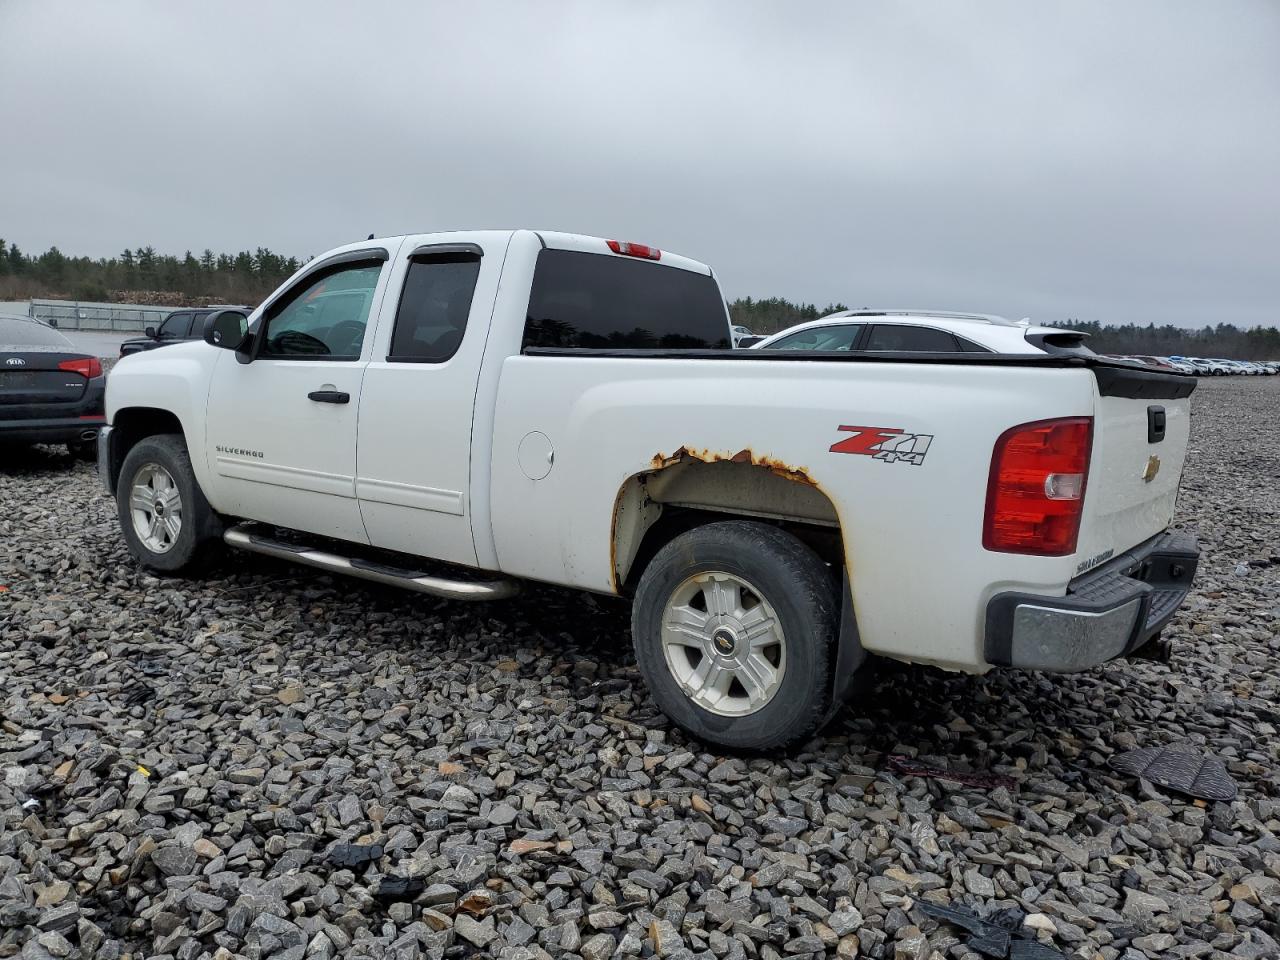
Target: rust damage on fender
point(777, 467)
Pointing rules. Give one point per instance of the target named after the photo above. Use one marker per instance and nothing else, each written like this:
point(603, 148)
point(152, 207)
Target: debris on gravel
point(322, 768)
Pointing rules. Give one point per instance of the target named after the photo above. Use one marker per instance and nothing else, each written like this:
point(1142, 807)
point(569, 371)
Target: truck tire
point(167, 523)
point(734, 626)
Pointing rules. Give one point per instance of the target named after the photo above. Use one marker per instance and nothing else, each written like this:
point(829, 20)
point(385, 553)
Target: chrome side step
point(245, 536)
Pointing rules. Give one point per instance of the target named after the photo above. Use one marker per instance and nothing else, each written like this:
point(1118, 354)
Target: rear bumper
point(51, 430)
point(56, 422)
point(1108, 612)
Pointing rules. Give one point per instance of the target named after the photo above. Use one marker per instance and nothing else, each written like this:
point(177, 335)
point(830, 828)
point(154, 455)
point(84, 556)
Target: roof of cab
point(553, 239)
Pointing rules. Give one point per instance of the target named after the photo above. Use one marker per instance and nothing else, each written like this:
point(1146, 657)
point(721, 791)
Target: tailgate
point(1141, 425)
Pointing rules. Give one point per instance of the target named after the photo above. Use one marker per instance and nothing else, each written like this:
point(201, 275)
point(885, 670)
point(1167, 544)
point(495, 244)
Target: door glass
point(434, 305)
point(900, 337)
point(175, 326)
point(820, 338)
point(325, 316)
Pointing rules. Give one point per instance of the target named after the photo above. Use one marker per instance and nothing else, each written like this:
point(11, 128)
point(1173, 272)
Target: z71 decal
point(889, 444)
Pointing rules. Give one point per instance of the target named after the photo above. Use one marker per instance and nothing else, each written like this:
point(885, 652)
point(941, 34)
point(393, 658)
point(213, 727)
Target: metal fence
point(116, 317)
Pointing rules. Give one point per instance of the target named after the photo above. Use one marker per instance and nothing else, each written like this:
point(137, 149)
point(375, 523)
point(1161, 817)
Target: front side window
point(903, 338)
point(842, 337)
point(325, 317)
point(175, 327)
point(606, 302)
point(434, 305)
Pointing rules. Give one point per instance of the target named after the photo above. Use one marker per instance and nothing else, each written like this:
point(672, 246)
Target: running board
point(245, 537)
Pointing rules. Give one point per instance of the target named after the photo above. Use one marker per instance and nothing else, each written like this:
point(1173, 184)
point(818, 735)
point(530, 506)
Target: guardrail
point(113, 317)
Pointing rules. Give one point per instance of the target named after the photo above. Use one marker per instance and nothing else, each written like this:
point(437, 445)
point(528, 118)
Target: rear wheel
point(734, 626)
point(167, 523)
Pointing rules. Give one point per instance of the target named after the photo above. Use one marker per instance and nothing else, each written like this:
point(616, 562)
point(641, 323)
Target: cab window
point(325, 317)
point(434, 305)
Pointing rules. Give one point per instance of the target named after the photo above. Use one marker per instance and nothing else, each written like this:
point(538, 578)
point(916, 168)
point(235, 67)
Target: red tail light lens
point(1035, 495)
point(88, 367)
point(634, 250)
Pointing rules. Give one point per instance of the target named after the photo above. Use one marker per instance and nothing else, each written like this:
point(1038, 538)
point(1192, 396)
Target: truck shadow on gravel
point(23, 460)
point(975, 723)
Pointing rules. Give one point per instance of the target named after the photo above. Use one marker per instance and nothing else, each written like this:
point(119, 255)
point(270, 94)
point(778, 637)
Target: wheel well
point(133, 424)
point(689, 490)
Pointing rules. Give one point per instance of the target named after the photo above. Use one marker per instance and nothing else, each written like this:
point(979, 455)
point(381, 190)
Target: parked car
point(494, 407)
point(1209, 368)
point(50, 392)
point(179, 326)
point(738, 333)
point(918, 331)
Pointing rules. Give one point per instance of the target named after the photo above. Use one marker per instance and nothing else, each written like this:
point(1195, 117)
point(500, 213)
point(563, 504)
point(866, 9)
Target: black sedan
point(50, 392)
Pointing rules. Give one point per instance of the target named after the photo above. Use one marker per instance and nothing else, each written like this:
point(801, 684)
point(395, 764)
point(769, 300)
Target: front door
point(282, 428)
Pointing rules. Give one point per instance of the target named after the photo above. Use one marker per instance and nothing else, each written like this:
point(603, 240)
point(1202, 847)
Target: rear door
point(416, 410)
point(281, 429)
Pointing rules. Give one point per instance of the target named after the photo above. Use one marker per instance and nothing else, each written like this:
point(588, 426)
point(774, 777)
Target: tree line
point(1223, 340)
point(143, 275)
point(135, 275)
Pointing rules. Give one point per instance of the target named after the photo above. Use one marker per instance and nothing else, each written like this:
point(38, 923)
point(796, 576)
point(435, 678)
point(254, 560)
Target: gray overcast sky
point(1106, 161)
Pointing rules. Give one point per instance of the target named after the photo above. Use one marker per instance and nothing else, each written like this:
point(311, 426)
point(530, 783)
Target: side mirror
point(150, 333)
point(745, 342)
point(225, 328)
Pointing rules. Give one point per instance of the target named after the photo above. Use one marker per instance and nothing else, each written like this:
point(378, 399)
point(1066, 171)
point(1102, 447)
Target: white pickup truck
point(456, 413)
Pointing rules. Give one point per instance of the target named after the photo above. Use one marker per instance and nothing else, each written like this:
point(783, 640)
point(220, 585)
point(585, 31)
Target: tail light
point(88, 367)
point(1035, 495)
point(634, 250)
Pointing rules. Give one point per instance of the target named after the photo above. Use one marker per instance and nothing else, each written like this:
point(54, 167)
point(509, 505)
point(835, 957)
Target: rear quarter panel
point(912, 533)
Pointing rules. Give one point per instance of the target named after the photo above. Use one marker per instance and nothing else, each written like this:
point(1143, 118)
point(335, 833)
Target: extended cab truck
point(492, 407)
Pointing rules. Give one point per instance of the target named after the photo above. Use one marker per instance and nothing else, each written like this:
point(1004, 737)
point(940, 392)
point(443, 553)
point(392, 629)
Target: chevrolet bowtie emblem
point(1153, 467)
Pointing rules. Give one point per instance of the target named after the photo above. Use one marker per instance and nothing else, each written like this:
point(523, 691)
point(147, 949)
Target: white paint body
point(440, 460)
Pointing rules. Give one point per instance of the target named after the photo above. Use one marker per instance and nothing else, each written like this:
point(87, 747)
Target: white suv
point(922, 331)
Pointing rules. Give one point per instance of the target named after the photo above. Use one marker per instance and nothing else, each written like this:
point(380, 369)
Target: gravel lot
point(179, 757)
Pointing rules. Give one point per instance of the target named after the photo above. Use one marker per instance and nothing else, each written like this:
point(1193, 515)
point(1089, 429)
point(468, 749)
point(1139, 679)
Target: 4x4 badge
point(889, 444)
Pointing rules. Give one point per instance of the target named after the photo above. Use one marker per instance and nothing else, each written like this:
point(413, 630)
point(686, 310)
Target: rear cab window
point(600, 301)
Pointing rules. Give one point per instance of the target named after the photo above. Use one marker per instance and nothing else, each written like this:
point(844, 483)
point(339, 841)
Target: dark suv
point(178, 326)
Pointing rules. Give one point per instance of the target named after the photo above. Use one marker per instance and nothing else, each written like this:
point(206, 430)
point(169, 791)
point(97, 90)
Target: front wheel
point(734, 626)
point(167, 523)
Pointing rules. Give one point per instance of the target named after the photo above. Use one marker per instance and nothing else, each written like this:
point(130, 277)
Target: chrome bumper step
point(250, 537)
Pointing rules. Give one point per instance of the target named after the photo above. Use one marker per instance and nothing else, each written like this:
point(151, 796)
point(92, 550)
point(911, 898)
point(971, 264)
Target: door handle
point(329, 396)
